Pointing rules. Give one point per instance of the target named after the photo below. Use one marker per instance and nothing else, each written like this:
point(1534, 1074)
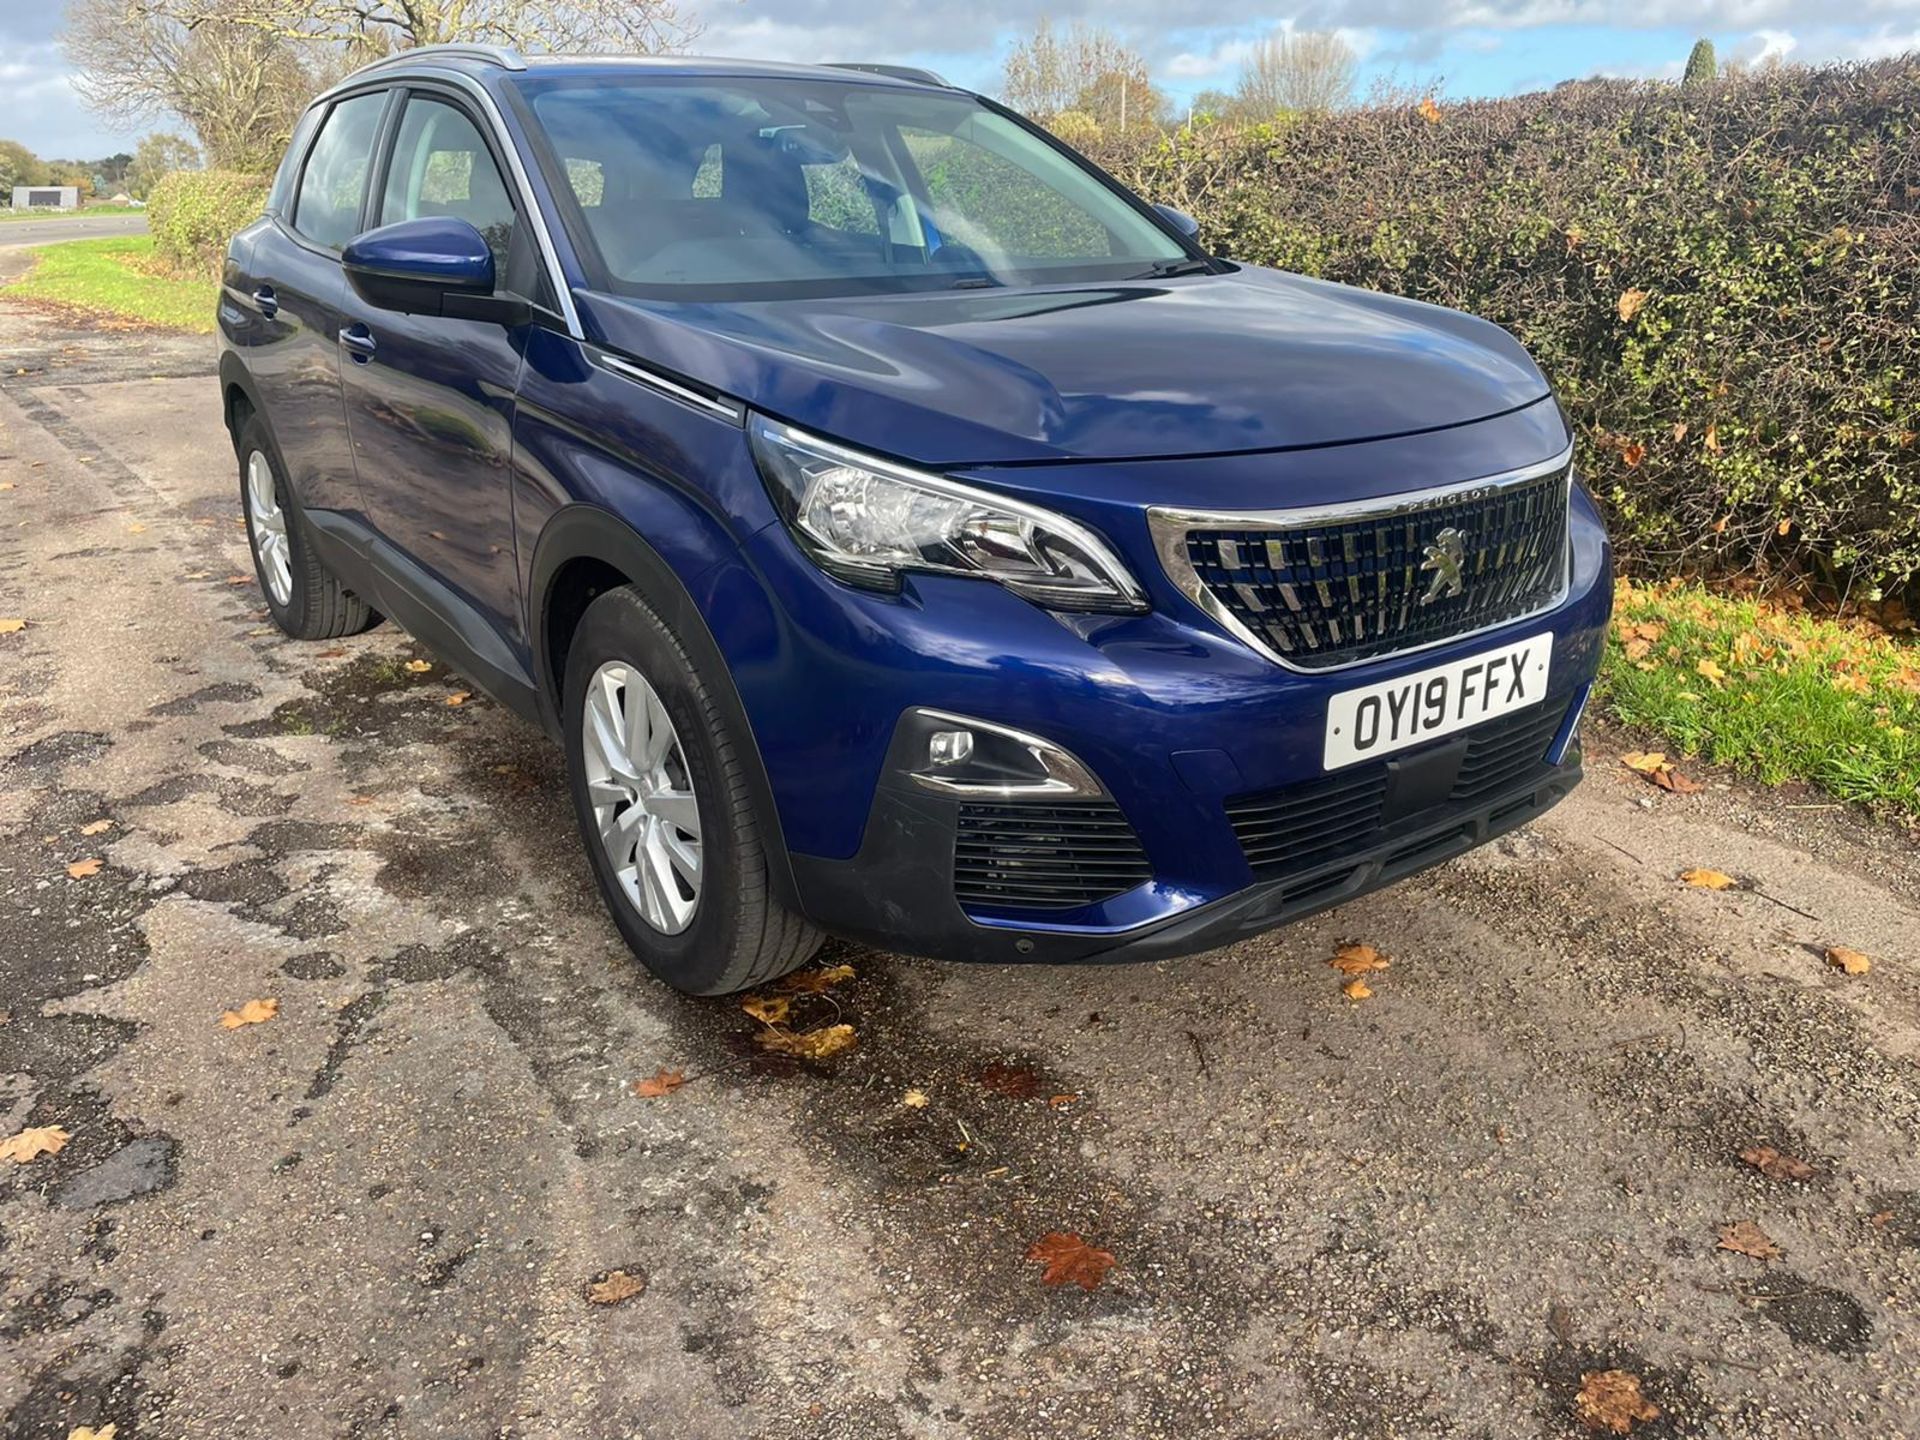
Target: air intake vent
point(1291, 831)
point(1045, 857)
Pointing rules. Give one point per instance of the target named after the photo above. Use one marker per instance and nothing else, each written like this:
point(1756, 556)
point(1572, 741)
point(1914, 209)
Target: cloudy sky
point(1476, 47)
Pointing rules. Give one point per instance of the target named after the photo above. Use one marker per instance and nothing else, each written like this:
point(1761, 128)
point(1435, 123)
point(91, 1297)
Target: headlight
point(867, 520)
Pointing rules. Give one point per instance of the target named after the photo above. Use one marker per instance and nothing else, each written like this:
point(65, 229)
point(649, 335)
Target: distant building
point(48, 197)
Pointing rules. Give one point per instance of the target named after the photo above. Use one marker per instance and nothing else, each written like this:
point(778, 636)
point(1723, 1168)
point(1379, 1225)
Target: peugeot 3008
point(909, 533)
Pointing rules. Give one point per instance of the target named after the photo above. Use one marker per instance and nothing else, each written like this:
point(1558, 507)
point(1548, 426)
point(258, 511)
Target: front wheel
point(664, 808)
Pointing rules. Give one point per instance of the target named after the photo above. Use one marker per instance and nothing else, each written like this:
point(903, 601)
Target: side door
point(430, 399)
point(294, 292)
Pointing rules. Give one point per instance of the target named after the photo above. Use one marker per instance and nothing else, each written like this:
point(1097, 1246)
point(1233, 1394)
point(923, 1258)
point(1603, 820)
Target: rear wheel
point(664, 809)
point(303, 596)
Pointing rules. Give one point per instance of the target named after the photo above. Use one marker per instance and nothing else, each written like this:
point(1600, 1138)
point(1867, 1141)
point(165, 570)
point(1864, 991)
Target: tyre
point(303, 597)
point(664, 808)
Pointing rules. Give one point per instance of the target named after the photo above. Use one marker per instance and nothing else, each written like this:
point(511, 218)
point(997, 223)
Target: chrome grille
point(1321, 589)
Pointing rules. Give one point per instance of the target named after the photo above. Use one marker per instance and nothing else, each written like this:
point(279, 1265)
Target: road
point(19, 234)
point(1432, 1212)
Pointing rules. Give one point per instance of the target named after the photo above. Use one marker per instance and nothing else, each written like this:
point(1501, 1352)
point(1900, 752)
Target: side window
point(441, 166)
point(837, 197)
point(327, 210)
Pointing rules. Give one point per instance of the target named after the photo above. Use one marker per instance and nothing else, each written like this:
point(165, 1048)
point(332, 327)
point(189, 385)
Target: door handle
point(359, 341)
point(268, 302)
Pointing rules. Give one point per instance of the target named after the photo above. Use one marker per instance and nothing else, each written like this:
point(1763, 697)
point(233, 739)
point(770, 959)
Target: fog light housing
point(973, 757)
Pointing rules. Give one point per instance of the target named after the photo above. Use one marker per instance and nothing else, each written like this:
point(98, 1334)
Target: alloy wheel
point(642, 795)
point(269, 529)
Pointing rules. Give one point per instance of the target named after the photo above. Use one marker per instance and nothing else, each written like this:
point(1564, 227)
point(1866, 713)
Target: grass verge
point(1770, 691)
point(117, 277)
point(11, 215)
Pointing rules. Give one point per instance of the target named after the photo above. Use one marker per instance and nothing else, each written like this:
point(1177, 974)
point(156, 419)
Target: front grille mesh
point(1045, 857)
point(1331, 594)
point(1297, 829)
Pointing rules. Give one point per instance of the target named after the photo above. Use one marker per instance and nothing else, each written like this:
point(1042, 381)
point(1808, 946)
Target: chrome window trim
point(1169, 526)
point(396, 72)
point(628, 370)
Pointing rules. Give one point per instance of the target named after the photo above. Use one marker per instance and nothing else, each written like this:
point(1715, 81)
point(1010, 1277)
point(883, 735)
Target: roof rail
point(893, 72)
point(487, 54)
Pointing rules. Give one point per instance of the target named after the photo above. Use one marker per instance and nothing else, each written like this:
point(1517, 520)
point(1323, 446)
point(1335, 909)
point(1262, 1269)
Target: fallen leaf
point(1638, 649)
point(1712, 439)
point(136, 528)
point(1702, 879)
point(914, 1099)
point(1429, 111)
point(1630, 303)
point(1668, 778)
point(1783, 527)
point(817, 982)
point(615, 1286)
point(1711, 672)
point(1357, 989)
point(1743, 1237)
point(1851, 682)
point(807, 1045)
point(87, 1432)
point(12, 625)
point(1644, 761)
point(1632, 453)
point(1776, 1166)
point(254, 1012)
point(85, 869)
point(1063, 1102)
point(1016, 1082)
point(331, 653)
point(767, 1009)
point(1610, 1400)
point(419, 667)
point(662, 1082)
point(1679, 431)
point(32, 1143)
point(1358, 959)
point(98, 827)
point(459, 697)
point(239, 579)
point(1068, 1258)
point(1851, 961)
point(1560, 1322)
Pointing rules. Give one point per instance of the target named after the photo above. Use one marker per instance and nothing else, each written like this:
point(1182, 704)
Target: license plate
point(1379, 719)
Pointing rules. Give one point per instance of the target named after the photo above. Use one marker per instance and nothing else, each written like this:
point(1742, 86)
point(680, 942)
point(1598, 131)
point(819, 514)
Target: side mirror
point(1180, 220)
point(434, 266)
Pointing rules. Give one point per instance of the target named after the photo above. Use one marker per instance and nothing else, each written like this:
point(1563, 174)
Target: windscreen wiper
point(1167, 269)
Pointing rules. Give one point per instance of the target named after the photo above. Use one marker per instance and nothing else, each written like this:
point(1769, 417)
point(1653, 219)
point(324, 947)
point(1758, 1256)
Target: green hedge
point(1722, 280)
point(193, 213)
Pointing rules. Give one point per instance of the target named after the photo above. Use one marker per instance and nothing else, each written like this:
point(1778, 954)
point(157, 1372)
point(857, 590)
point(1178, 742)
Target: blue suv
point(910, 533)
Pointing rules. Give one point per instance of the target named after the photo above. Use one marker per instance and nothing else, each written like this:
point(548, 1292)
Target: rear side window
point(327, 211)
point(441, 166)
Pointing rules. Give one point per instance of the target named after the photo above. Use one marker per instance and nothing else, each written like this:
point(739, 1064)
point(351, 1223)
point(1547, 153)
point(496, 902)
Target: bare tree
point(1306, 71)
point(159, 154)
point(1086, 69)
point(239, 72)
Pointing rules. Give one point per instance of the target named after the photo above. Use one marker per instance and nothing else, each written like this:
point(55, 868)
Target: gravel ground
point(1429, 1213)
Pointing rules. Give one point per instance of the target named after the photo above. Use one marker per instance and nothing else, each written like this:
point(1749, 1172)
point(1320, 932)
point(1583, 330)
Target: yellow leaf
point(1429, 111)
point(1357, 989)
point(817, 982)
point(809, 1045)
point(12, 625)
point(767, 1009)
point(419, 667)
point(1630, 303)
point(1712, 439)
point(1783, 527)
point(1645, 761)
point(914, 1099)
point(1851, 961)
point(459, 697)
point(87, 1432)
point(1709, 879)
point(98, 827)
point(1632, 453)
point(615, 1286)
point(1710, 672)
point(1358, 959)
point(1679, 431)
point(1852, 682)
point(84, 869)
point(254, 1012)
point(136, 528)
point(32, 1143)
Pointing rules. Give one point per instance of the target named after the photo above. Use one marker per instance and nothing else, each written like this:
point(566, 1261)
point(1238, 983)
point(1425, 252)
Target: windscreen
point(733, 187)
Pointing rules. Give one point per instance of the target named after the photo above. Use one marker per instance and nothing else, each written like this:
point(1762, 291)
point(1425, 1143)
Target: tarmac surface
point(1433, 1212)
